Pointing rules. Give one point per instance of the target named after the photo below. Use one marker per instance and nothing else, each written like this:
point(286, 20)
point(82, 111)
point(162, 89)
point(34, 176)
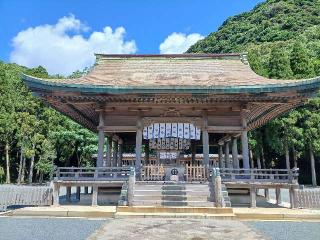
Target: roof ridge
point(183, 55)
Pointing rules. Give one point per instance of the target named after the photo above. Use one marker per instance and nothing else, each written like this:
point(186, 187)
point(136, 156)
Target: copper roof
point(227, 72)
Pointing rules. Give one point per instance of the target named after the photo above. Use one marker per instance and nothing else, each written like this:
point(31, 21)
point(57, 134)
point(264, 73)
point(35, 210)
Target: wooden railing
point(152, 173)
point(11, 195)
point(259, 175)
point(92, 174)
point(196, 173)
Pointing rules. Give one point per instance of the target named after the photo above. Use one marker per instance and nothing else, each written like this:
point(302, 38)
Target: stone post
point(99, 162)
point(55, 194)
point(131, 183)
point(218, 198)
point(235, 159)
point(95, 195)
point(253, 197)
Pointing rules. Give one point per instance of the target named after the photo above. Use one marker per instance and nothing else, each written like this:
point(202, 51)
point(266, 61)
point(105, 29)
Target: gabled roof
point(173, 73)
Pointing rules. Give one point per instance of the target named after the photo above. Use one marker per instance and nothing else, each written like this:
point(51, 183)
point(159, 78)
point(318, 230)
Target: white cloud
point(179, 42)
point(62, 49)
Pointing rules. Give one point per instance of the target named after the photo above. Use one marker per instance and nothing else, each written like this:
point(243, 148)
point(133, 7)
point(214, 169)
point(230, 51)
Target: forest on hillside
point(282, 38)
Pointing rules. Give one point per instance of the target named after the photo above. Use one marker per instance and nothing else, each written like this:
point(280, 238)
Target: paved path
point(178, 229)
point(287, 230)
point(12, 228)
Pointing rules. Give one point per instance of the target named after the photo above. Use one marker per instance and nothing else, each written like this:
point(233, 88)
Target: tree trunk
point(20, 165)
point(7, 163)
point(286, 149)
point(251, 159)
point(258, 161)
point(263, 159)
point(23, 169)
point(31, 165)
point(295, 158)
point(313, 170)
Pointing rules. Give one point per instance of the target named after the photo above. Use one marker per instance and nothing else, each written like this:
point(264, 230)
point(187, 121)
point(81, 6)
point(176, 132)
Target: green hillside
point(274, 23)
point(282, 38)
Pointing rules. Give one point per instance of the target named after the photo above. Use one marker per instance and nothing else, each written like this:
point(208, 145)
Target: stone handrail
point(217, 188)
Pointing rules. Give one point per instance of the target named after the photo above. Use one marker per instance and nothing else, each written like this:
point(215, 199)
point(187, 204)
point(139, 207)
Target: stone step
point(172, 197)
point(172, 192)
point(173, 187)
point(152, 209)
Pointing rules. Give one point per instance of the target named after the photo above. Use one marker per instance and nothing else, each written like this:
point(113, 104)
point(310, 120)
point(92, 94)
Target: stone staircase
point(225, 195)
point(172, 194)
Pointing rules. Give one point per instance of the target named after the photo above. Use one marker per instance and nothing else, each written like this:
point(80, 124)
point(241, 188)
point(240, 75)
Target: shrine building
point(182, 114)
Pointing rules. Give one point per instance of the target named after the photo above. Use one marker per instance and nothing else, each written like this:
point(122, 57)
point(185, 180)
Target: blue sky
point(33, 31)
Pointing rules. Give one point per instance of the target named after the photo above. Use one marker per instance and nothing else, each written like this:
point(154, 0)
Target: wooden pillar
point(120, 151)
point(227, 155)
point(86, 190)
point(68, 194)
point(278, 195)
point(205, 140)
point(245, 150)
point(221, 156)
point(193, 152)
point(99, 162)
point(235, 159)
point(109, 151)
point(78, 193)
point(253, 197)
point(55, 194)
point(114, 153)
point(244, 142)
point(95, 195)
point(138, 147)
point(266, 194)
point(146, 153)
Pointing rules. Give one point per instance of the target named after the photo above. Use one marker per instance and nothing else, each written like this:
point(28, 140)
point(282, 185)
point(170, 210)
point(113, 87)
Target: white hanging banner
point(168, 130)
point(162, 133)
point(172, 130)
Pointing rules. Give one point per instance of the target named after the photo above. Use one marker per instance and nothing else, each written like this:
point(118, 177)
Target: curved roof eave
point(41, 84)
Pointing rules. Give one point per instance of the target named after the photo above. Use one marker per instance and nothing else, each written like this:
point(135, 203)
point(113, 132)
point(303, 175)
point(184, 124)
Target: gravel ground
point(287, 230)
point(12, 228)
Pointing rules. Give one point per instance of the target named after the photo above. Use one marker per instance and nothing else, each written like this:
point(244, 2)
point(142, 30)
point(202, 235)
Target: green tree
point(300, 61)
point(279, 64)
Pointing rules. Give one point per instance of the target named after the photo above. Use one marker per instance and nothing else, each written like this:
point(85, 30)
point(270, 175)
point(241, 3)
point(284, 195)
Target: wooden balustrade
point(196, 173)
point(92, 174)
point(260, 175)
point(153, 173)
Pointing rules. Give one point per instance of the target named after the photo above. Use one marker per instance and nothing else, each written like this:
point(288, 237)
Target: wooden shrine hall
point(166, 106)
